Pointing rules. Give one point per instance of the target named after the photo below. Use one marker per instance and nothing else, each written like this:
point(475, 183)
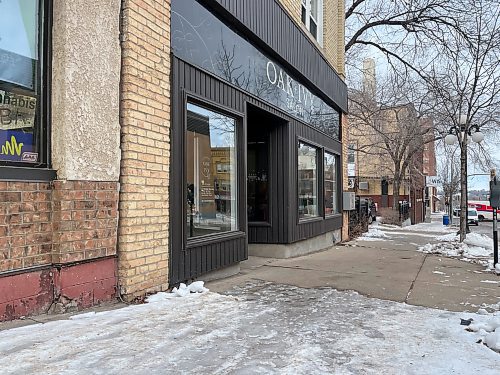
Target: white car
point(472, 215)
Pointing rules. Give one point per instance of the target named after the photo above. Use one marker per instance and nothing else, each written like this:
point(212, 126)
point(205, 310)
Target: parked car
point(472, 215)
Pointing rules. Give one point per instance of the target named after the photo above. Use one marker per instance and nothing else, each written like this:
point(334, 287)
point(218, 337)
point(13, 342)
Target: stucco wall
point(85, 90)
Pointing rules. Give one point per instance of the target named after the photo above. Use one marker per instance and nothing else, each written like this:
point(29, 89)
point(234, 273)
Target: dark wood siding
point(189, 260)
point(268, 22)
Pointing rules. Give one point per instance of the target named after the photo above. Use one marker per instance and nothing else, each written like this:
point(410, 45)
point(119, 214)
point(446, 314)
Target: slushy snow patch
point(183, 291)
point(374, 233)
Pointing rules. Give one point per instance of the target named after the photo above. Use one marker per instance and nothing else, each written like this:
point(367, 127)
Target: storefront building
point(147, 143)
point(256, 134)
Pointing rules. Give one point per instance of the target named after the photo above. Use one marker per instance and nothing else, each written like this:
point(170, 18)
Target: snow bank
point(183, 291)
point(476, 247)
point(373, 234)
point(488, 332)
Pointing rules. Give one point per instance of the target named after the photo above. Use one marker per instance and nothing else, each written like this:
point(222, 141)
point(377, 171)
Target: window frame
point(240, 139)
point(319, 179)
point(306, 16)
point(338, 184)
point(40, 171)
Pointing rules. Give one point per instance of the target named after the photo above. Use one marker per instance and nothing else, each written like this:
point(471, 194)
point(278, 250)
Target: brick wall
point(66, 228)
point(25, 225)
point(60, 222)
point(84, 220)
point(293, 7)
point(145, 129)
point(334, 33)
point(345, 144)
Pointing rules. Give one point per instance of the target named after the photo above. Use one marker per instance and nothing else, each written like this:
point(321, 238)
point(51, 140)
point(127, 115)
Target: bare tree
point(449, 173)
point(391, 128)
point(400, 30)
point(464, 83)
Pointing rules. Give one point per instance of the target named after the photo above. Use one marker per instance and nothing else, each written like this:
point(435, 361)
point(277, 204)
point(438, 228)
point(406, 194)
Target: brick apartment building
point(146, 142)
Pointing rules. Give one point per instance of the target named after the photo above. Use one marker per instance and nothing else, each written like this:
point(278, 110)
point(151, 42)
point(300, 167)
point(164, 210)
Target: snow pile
point(183, 291)
point(476, 248)
point(487, 332)
point(373, 234)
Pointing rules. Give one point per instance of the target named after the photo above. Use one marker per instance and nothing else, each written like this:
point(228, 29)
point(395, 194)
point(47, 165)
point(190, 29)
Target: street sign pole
point(495, 237)
point(495, 203)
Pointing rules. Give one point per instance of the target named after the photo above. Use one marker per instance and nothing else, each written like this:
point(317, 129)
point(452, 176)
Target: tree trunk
point(463, 188)
point(395, 193)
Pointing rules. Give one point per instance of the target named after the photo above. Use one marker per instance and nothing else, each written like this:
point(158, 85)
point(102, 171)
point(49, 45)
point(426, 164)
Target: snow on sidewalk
point(476, 248)
point(262, 328)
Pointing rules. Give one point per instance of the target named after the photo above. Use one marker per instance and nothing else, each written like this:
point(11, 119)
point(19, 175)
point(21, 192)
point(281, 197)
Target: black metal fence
point(359, 218)
point(404, 211)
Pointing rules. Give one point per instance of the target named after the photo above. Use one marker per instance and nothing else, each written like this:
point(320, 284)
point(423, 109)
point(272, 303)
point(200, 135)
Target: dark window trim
point(320, 203)
point(338, 171)
point(191, 97)
point(9, 173)
point(213, 238)
point(40, 171)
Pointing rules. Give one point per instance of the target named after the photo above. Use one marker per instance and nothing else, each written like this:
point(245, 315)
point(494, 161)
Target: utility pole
point(495, 203)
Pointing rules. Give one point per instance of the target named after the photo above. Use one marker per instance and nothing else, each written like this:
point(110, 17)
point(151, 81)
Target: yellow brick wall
point(145, 129)
point(293, 8)
point(345, 143)
point(334, 33)
point(333, 29)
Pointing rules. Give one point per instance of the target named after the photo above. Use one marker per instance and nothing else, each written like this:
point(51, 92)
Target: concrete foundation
point(296, 249)
point(221, 273)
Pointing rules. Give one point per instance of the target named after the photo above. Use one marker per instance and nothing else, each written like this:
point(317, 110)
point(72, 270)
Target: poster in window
point(16, 111)
point(17, 146)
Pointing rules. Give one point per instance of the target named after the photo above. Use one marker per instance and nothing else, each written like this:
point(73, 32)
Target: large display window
point(330, 184)
point(308, 181)
point(22, 132)
point(211, 174)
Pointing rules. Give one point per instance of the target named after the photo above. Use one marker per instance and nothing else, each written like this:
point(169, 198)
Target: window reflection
point(308, 181)
point(18, 41)
point(19, 129)
point(331, 196)
point(211, 172)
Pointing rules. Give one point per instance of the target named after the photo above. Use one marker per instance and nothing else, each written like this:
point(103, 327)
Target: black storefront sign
point(200, 38)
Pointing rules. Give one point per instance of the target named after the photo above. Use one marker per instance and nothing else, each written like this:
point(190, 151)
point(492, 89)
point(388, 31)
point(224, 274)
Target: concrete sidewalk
point(379, 269)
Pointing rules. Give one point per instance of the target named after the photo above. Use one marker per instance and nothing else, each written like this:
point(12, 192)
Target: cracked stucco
point(85, 90)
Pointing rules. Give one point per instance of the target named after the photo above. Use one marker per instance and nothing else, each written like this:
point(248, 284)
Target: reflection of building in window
point(211, 167)
point(20, 129)
point(331, 197)
point(307, 181)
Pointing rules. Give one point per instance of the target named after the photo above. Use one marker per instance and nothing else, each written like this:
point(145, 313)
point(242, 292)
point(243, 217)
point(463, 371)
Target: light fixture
point(451, 139)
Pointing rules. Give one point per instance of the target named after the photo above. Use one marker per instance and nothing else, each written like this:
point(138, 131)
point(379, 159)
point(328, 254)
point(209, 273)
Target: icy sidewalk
point(262, 328)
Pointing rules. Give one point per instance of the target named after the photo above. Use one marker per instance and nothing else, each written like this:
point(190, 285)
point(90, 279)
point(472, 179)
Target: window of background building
point(22, 132)
point(308, 181)
point(211, 197)
point(312, 18)
point(331, 196)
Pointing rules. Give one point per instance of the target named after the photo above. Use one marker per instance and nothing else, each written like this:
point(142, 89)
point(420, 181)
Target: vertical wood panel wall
point(192, 261)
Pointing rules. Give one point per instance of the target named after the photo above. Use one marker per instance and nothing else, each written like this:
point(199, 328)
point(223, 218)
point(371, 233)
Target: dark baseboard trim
point(26, 174)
